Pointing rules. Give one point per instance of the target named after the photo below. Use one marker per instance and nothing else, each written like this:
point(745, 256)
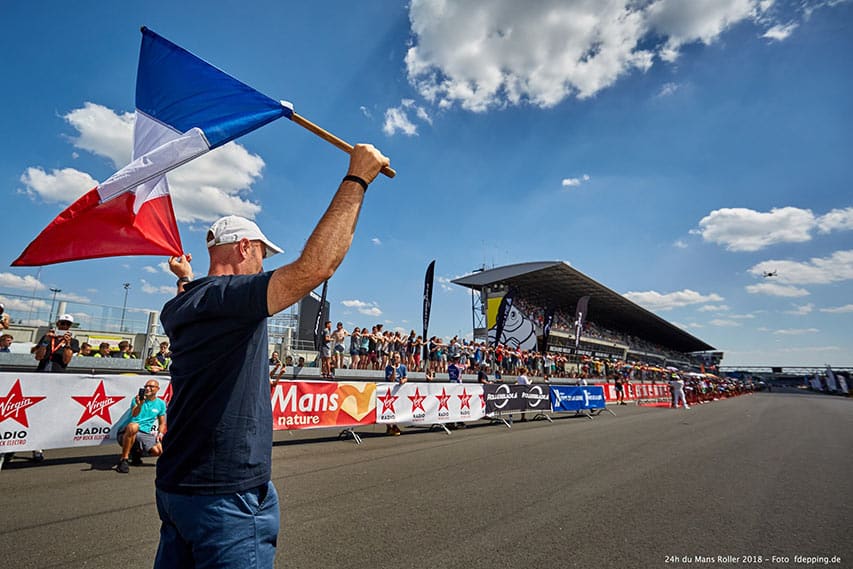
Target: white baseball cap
point(233, 228)
point(66, 318)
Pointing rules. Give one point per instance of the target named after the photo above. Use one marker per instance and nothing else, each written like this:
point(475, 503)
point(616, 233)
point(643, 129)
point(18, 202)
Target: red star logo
point(14, 405)
point(97, 405)
point(388, 401)
point(167, 395)
point(443, 399)
point(465, 399)
point(483, 400)
point(417, 401)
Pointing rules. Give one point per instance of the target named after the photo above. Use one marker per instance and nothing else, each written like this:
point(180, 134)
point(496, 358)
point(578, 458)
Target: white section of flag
point(157, 149)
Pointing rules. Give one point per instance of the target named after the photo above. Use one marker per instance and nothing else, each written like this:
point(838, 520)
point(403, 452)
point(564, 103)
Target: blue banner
point(576, 398)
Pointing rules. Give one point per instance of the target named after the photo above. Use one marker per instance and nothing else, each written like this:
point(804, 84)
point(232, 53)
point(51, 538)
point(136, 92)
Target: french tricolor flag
point(185, 107)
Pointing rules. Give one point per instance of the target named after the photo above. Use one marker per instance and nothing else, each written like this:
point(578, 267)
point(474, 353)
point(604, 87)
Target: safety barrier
point(47, 411)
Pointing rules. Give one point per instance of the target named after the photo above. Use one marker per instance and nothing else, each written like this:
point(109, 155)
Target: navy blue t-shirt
point(220, 418)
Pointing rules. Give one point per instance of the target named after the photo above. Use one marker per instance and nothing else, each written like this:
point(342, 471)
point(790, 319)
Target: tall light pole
point(124, 306)
point(55, 291)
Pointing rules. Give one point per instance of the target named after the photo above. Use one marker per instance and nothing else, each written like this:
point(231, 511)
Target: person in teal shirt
point(142, 433)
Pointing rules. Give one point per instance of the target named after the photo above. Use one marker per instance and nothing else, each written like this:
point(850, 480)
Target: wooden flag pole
point(329, 137)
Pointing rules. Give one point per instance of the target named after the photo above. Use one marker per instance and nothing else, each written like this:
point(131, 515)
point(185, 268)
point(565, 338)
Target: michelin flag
point(185, 107)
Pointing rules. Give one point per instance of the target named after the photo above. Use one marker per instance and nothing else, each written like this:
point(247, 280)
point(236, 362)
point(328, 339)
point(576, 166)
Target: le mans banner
point(318, 404)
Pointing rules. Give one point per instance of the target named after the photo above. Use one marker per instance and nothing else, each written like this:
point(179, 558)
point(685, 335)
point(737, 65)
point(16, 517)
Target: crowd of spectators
point(374, 349)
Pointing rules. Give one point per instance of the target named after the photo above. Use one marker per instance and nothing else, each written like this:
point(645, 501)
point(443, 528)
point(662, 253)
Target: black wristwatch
point(183, 280)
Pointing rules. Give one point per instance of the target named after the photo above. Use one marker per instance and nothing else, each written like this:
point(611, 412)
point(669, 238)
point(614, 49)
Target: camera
point(142, 393)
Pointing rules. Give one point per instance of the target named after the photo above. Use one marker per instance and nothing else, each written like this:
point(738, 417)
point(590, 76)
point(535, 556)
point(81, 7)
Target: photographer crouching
point(142, 435)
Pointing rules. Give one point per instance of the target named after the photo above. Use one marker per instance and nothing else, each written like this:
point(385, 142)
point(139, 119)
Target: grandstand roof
point(557, 284)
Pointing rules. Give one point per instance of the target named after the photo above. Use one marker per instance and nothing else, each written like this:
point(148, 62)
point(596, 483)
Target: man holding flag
point(214, 494)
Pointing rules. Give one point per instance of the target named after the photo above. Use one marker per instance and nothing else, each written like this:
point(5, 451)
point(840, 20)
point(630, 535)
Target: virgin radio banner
point(576, 398)
point(319, 404)
point(513, 398)
point(429, 403)
point(47, 411)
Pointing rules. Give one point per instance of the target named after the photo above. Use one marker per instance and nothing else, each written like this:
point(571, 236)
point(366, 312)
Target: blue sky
point(672, 151)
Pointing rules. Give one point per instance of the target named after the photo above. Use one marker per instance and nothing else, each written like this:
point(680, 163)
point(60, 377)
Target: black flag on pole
point(428, 280)
point(503, 312)
point(580, 318)
point(318, 320)
point(546, 328)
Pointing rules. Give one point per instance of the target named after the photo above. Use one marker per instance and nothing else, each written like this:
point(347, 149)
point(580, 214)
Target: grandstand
point(616, 327)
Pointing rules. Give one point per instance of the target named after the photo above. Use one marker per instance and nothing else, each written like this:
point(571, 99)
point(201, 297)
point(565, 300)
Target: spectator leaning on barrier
point(339, 336)
point(125, 350)
point(161, 360)
point(143, 432)
point(85, 350)
point(454, 375)
point(395, 371)
point(103, 350)
point(483, 374)
point(56, 348)
point(5, 342)
point(522, 379)
point(215, 498)
point(326, 351)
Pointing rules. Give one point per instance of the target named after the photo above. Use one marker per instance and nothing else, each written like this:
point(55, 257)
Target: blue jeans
point(228, 530)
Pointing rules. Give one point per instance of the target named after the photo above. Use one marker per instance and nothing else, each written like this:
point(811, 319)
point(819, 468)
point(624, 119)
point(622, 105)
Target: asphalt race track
point(740, 480)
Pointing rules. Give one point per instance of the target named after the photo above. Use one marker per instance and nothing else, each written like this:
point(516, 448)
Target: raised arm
point(331, 239)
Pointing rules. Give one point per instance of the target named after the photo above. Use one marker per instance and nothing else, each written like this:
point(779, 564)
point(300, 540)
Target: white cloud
point(817, 270)
point(21, 305)
point(680, 244)
point(780, 32)
point(741, 316)
point(445, 283)
point(366, 308)
point(376, 241)
point(837, 219)
point(575, 182)
point(28, 282)
point(668, 89)
point(801, 309)
point(149, 288)
point(796, 331)
point(203, 190)
point(723, 323)
point(713, 308)
point(61, 186)
point(397, 118)
point(838, 309)
point(776, 290)
point(365, 111)
point(483, 56)
point(656, 301)
point(741, 229)
point(150, 269)
point(72, 297)
point(103, 132)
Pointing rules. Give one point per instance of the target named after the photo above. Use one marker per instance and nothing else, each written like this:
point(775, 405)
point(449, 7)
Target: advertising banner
point(429, 403)
point(318, 404)
point(45, 411)
point(576, 398)
point(514, 398)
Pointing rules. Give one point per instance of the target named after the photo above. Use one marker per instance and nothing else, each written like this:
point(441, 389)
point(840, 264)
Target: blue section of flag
point(178, 89)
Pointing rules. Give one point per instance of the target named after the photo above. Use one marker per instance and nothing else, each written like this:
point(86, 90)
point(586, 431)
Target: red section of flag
point(89, 229)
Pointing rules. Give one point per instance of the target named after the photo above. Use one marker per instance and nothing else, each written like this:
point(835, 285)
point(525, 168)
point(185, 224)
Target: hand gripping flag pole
point(185, 108)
